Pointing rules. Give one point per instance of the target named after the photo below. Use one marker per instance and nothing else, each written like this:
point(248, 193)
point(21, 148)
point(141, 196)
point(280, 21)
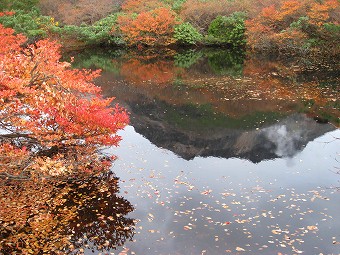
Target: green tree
point(228, 29)
point(186, 33)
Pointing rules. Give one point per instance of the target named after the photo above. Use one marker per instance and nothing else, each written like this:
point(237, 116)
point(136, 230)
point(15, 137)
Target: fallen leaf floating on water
point(206, 192)
point(124, 252)
point(312, 227)
point(276, 231)
point(239, 249)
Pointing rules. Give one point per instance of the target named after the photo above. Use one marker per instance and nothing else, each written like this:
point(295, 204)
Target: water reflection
point(218, 103)
point(234, 107)
point(284, 138)
point(63, 217)
point(211, 205)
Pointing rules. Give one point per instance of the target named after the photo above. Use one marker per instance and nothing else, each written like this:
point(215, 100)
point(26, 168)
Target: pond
point(226, 155)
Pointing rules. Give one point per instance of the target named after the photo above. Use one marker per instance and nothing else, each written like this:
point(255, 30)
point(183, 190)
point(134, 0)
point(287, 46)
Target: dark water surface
point(225, 155)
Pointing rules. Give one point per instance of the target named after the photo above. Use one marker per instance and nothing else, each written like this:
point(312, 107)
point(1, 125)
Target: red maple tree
point(53, 119)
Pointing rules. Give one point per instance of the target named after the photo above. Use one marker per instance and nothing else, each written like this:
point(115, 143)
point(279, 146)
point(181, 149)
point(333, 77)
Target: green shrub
point(302, 23)
point(177, 4)
point(98, 33)
point(329, 37)
point(228, 30)
point(332, 28)
point(104, 32)
point(332, 32)
point(185, 33)
point(32, 24)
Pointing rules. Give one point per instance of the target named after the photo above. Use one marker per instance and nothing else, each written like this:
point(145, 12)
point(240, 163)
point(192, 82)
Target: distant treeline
point(281, 26)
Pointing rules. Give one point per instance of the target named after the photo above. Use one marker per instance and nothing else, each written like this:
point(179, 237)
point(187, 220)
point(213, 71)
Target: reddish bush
point(320, 13)
point(155, 27)
point(291, 25)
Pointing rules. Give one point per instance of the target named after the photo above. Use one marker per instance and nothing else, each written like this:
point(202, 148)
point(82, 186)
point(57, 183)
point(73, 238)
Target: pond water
point(225, 154)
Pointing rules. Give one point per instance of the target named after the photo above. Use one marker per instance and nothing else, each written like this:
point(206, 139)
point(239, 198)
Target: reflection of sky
point(290, 135)
point(172, 189)
point(283, 140)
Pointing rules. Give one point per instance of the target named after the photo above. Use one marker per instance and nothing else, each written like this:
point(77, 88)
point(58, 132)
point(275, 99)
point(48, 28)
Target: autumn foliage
point(53, 119)
point(319, 13)
point(302, 27)
point(148, 23)
point(293, 25)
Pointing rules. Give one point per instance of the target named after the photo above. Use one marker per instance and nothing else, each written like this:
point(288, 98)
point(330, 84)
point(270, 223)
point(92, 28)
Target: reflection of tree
point(160, 72)
point(99, 59)
point(277, 80)
point(232, 84)
point(58, 217)
point(187, 58)
point(226, 62)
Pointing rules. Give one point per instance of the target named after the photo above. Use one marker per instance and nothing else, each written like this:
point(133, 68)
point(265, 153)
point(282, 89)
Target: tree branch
point(14, 177)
